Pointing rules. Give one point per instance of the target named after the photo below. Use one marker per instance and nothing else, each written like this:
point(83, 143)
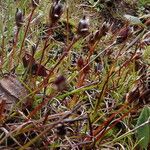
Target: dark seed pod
point(36, 69)
point(19, 18)
point(39, 70)
point(86, 69)
point(122, 35)
point(60, 83)
point(147, 23)
point(35, 3)
point(60, 79)
point(56, 11)
point(83, 26)
point(61, 129)
point(80, 62)
point(27, 59)
point(109, 3)
point(133, 95)
point(99, 33)
point(145, 96)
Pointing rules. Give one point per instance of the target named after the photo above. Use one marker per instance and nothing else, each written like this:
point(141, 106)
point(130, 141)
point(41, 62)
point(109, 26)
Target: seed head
point(19, 18)
point(99, 33)
point(60, 83)
point(83, 26)
point(56, 11)
point(122, 35)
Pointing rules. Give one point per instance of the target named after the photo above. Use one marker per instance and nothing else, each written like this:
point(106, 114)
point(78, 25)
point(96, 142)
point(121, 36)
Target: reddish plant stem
point(45, 45)
point(2, 55)
point(82, 74)
point(102, 93)
point(90, 126)
point(67, 26)
point(116, 121)
point(14, 48)
point(44, 83)
point(106, 123)
point(26, 31)
point(38, 107)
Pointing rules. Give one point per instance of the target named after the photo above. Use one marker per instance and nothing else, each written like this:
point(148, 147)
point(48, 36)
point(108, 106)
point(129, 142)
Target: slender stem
point(12, 55)
point(3, 46)
point(50, 127)
point(26, 31)
point(98, 137)
point(45, 81)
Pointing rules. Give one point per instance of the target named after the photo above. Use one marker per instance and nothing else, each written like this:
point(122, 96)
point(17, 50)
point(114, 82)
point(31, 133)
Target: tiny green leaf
point(143, 133)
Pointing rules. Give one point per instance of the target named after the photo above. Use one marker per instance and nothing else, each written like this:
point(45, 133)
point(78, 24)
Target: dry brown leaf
point(11, 90)
point(11, 84)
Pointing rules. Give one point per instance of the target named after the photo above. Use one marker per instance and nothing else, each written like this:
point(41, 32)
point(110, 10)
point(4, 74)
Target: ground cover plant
point(75, 75)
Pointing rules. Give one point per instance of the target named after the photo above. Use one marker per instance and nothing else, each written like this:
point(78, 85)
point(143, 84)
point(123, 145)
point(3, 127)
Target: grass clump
point(73, 79)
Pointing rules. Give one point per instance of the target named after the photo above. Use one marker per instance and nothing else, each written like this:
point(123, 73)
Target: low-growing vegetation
point(75, 75)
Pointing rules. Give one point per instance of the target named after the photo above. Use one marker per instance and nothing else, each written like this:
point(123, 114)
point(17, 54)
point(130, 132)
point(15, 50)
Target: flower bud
point(83, 26)
point(19, 18)
point(35, 3)
point(56, 11)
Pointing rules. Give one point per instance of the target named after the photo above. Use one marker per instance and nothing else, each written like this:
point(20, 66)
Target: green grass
point(95, 97)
